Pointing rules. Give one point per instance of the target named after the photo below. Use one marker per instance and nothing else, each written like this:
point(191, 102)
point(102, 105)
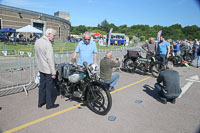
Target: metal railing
point(18, 73)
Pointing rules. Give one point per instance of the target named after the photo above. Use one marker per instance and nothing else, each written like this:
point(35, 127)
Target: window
point(0, 23)
point(39, 26)
point(59, 32)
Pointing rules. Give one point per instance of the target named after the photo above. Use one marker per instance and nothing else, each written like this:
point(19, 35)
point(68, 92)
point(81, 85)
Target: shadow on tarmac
point(135, 71)
point(151, 91)
point(198, 130)
point(17, 90)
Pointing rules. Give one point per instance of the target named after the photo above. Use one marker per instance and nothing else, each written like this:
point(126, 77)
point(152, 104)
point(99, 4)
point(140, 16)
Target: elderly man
point(151, 47)
point(87, 50)
point(45, 61)
point(106, 66)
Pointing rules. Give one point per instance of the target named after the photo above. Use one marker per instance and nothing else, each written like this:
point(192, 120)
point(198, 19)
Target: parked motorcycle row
point(134, 61)
point(186, 57)
point(85, 84)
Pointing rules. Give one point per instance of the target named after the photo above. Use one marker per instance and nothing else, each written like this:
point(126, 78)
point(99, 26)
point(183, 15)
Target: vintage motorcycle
point(82, 83)
point(133, 60)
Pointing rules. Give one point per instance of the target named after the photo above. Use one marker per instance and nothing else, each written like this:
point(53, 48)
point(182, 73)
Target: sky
point(118, 12)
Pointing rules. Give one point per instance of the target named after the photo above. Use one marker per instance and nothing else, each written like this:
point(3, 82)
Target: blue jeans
point(163, 59)
point(158, 87)
point(195, 54)
point(198, 61)
point(113, 81)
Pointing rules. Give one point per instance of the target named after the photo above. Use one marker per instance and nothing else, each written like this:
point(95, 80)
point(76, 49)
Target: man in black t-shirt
point(170, 88)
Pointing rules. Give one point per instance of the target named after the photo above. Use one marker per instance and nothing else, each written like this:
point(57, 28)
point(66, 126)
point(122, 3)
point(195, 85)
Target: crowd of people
point(20, 37)
point(168, 88)
point(165, 48)
point(32, 37)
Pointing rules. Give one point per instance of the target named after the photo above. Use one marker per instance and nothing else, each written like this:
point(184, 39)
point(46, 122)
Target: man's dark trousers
point(47, 92)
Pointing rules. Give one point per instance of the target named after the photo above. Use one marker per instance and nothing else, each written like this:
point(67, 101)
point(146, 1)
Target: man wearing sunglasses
point(87, 50)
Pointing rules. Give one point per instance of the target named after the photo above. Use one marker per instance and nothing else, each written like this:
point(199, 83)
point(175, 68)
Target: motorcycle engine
point(77, 93)
point(142, 66)
point(64, 88)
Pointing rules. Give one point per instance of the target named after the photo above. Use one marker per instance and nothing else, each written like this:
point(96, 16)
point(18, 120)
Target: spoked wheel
point(173, 60)
point(156, 68)
point(130, 65)
point(176, 60)
point(99, 99)
point(189, 58)
point(179, 60)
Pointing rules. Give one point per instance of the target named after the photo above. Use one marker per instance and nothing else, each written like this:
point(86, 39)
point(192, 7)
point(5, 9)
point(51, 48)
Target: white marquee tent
point(28, 28)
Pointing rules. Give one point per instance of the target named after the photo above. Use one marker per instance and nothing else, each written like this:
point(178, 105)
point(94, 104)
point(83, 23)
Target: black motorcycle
point(175, 59)
point(76, 82)
point(133, 60)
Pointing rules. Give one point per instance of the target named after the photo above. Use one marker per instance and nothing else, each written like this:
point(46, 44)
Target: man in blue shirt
point(163, 50)
point(176, 49)
point(87, 50)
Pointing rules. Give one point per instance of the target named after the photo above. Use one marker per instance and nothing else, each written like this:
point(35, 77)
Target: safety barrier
point(8, 52)
point(18, 73)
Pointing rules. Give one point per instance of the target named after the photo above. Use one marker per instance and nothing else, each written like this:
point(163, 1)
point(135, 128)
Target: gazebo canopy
point(97, 34)
point(29, 28)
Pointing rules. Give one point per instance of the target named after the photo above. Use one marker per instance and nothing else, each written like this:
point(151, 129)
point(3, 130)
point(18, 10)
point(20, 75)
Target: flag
point(158, 36)
point(109, 37)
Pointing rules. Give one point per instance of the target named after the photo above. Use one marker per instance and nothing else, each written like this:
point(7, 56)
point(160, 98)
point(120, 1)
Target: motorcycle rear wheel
point(99, 99)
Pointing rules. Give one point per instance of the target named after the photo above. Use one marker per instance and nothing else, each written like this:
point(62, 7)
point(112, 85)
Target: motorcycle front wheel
point(99, 99)
point(130, 65)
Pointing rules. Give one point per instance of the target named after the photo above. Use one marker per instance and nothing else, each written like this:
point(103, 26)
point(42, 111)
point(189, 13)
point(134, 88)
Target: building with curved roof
point(12, 17)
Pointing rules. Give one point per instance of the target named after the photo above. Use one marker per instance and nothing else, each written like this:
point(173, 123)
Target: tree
point(104, 26)
point(175, 32)
point(197, 35)
point(79, 29)
point(190, 31)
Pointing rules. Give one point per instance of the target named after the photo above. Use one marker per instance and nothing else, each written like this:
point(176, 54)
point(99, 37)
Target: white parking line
point(185, 88)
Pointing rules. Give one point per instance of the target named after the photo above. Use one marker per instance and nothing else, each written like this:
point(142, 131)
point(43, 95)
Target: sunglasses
point(87, 39)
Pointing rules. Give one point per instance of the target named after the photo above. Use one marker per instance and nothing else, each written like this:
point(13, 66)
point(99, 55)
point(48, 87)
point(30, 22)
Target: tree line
point(174, 32)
